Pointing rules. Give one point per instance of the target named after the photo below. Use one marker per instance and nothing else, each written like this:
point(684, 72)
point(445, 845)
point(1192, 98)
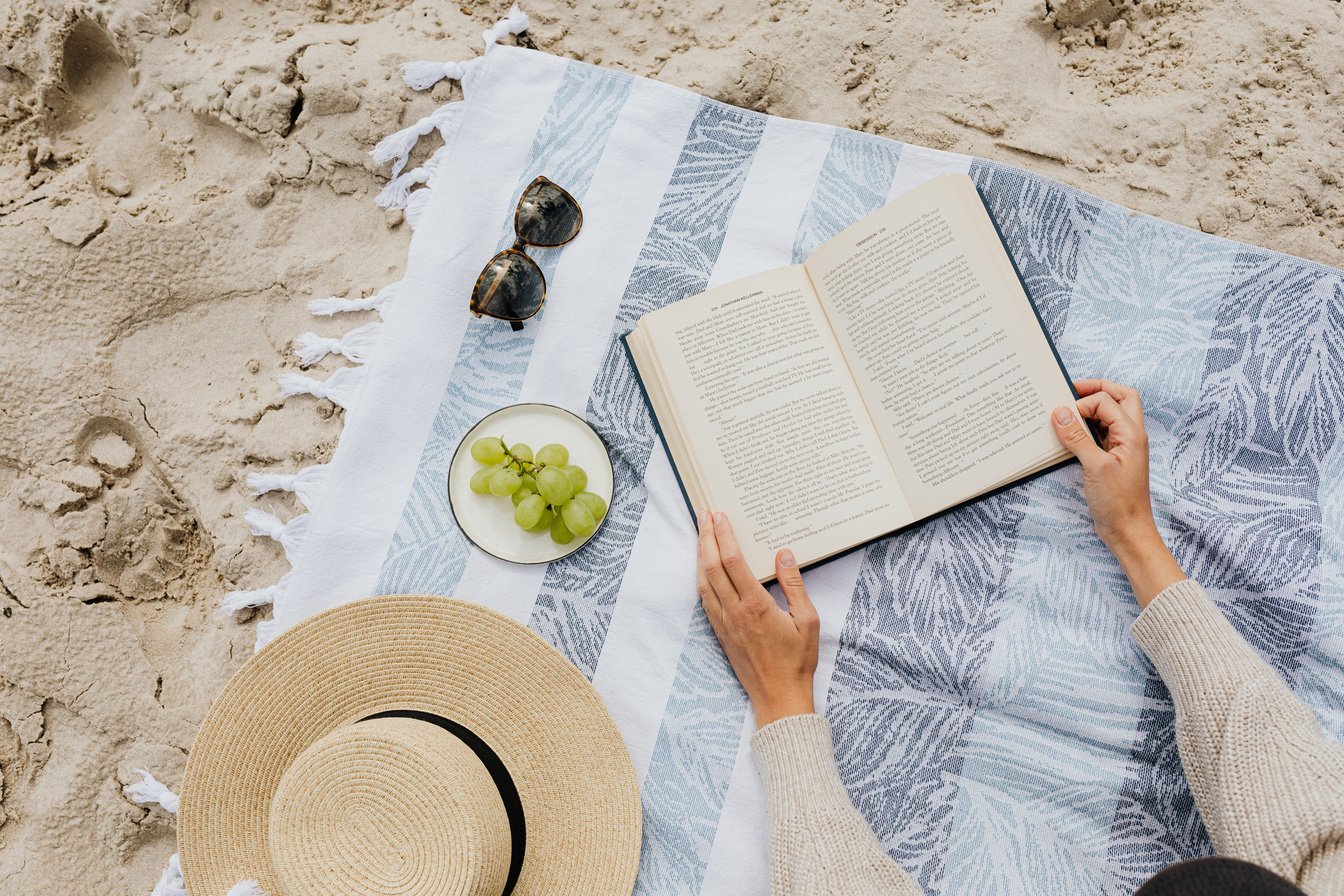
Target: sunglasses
point(511, 286)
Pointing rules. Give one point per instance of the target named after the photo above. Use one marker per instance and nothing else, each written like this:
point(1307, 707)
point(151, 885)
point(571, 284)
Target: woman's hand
point(1115, 481)
point(773, 652)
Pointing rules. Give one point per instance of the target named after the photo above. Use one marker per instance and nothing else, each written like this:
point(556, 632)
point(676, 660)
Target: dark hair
point(1216, 876)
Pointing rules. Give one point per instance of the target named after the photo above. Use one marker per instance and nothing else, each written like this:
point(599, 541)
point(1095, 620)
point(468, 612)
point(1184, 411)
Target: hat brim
point(437, 655)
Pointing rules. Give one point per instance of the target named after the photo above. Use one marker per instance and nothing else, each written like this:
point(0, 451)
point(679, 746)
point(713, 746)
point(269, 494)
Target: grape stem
point(522, 464)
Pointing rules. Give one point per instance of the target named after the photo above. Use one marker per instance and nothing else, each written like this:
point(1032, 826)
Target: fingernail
point(699, 519)
point(1063, 416)
point(786, 558)
point(719, 518)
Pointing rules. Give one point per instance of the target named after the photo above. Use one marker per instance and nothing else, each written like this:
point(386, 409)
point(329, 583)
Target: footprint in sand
point(121, 531)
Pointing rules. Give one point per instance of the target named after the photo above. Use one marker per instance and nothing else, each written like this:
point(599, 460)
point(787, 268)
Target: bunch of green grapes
point(548, 491)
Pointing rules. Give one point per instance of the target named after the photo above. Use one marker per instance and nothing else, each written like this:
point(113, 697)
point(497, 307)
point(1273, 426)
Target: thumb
point(1074, 436)
point(795, 593)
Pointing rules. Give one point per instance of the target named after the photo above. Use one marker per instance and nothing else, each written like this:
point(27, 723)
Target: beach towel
point(994, 722)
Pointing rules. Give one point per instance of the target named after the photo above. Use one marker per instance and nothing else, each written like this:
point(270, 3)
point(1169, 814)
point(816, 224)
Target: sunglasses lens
point(511, 287)
point(547, 215)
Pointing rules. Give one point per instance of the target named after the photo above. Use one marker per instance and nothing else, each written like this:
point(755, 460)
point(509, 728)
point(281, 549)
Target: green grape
point(596, 506)
point(553, 485)
point(529, 482)
point(578, 479)
point(578, 518)
point(544, 524)
point(559, 533)
point(522, 493)
point(521, 452)
point(553, 455)
point(528, 512)
point(504, 483)
point(488, 450)
point(480, 480)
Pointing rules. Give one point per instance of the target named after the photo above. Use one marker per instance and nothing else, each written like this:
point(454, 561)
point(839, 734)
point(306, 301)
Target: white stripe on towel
point(424, 330)
point(917, 164)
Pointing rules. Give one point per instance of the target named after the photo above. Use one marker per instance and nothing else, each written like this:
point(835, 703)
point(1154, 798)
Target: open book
point(897, 373)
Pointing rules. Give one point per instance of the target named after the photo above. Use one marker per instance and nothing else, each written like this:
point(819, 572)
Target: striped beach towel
point(995, 724)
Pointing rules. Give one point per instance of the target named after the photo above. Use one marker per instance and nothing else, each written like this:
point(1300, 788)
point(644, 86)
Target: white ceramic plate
point(487, 520)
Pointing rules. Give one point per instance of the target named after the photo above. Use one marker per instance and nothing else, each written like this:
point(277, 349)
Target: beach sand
point(178, 178)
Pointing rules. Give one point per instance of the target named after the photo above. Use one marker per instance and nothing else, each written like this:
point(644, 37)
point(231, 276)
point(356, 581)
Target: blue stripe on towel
point(1248, 524)
point(574, 606)
point(428, 552)
point(697, 745)
point(1063, 687)
point(909, 674)
point(854, 181)
point(1322, 666)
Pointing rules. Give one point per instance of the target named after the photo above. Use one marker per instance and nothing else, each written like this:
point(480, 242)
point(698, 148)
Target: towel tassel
point(336, 305)
point(306, 483)
point(250, 599)
point(397, 191)
point(268, 525)
point(513, 23)
point(396, 148)
point(170, 882)
point(422, 75)
point(150, 791)
point(355, 345)
point(341, 387)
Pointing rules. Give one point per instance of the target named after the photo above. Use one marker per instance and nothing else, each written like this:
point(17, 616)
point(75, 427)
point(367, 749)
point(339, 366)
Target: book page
point(947, 352)
point(764, 403)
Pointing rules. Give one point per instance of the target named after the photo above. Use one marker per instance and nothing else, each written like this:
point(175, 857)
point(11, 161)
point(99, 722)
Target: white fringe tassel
point(335, 305)
point(246, 888)
point(306, 483)
point(424, 75)
point(354, 345)
point(397, 191)
point(513, 23)
point(150, 791)
point(237, 601)
point(396, 148)
point(170, 882)
point(289, 534)
point(341, 387)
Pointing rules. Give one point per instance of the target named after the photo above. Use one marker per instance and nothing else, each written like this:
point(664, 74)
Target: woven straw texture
point(428, 654)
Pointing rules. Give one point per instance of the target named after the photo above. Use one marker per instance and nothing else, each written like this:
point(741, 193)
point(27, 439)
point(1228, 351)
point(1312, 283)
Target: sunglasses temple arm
point(516, 325)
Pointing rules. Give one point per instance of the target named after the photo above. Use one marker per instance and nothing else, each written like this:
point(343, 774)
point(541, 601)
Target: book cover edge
point(657, 426)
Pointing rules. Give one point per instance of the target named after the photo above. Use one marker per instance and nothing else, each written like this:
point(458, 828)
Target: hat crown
point(389, 805)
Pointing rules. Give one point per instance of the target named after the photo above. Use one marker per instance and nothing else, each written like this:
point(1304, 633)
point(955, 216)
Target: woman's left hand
point(773, 652)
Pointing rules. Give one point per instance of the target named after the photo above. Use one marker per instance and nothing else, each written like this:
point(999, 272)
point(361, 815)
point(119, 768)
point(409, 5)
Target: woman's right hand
point(1115, 481)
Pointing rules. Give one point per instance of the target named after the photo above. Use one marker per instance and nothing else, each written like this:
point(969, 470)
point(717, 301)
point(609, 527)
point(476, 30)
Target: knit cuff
point(1189, 639)
point(796, 759)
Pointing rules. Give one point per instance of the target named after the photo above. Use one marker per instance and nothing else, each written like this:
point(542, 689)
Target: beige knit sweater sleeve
point(1269, 785)
point(819, 845)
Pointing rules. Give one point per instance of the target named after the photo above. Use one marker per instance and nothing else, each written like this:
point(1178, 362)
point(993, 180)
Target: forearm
point(1268, 784)
point(819, 844)
point(1146, 560)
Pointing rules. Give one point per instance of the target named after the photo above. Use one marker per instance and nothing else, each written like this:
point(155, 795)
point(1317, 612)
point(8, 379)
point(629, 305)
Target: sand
point(177, 178)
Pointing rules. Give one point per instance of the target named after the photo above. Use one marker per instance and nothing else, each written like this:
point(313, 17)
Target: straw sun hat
point(410, 745)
